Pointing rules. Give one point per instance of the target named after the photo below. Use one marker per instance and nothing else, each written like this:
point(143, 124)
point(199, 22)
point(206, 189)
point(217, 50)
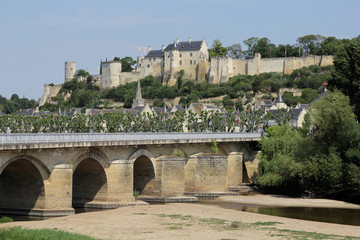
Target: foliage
point(214, 146)
point(235, 51)
point(178, 152)
point(217, 49)
point(127, 64)
point(15, 103)
point(346, 76)
point(81, 73)
point(6, 219)
point(39, 234)
point(324, 161)
point(311, 43)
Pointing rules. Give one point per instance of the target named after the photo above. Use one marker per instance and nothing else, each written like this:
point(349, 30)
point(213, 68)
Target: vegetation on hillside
point(15, 103)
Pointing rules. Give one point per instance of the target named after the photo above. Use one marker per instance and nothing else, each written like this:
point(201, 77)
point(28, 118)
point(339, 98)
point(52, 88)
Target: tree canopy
point(322, 158)
point(217, 49)
point(346, 76)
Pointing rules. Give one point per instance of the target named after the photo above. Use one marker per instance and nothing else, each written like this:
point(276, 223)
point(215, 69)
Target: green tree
point(217, 49)
point(330, 45)
point(346, 76)
point(235, 51)
point(81, 73)
point(251, 46)
point(311, 44)
point(127, 64)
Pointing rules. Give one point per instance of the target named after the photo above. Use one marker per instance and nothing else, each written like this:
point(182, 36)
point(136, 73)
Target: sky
point(38, 37)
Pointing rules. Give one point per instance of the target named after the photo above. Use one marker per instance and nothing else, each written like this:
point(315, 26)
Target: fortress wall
point(253, 65)
point(327, 61)
point(49, 92)
point(272, 65)
point(127, 77)
point(221, 69)
point(239, 67)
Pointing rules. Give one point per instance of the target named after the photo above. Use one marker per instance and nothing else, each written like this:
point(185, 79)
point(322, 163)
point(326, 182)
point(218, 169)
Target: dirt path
point(192, 221)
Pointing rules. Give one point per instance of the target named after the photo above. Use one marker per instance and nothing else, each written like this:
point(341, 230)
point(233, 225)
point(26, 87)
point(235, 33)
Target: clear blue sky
point(37, 37)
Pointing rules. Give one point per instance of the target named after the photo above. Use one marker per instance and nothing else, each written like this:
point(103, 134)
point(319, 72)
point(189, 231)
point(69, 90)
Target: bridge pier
point(58, 191)
point(235, 170)
point(206, 173)
point(120, 181)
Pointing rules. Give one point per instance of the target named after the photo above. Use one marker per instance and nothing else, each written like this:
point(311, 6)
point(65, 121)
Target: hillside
point(238, 92)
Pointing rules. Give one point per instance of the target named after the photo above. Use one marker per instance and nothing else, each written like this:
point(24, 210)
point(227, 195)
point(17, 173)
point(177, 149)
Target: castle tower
point(70, 70)
point(138, 101)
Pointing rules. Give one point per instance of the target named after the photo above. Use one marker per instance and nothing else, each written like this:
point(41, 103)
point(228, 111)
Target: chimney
point(162, 47)
point(177, 41)
point(189, 39)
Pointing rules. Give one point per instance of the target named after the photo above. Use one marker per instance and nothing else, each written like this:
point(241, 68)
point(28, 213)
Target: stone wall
point(221, 69)
point(49, 92)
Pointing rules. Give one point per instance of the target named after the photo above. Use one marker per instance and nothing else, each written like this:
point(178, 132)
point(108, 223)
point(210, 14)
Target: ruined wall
point(49, 92)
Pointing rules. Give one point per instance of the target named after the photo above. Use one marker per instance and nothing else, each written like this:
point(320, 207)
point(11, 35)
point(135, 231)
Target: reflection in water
point(331, 215)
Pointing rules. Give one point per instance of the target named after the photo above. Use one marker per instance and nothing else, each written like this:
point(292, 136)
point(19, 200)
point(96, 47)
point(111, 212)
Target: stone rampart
point(49, 92)
point(221, 69)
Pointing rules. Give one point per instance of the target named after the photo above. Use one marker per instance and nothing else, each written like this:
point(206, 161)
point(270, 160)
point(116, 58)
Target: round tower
point(70, 69)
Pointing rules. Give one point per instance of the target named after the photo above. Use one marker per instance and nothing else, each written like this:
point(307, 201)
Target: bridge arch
point(97, 155)
point(22, 183)
point(89, 178)
point(144, 171)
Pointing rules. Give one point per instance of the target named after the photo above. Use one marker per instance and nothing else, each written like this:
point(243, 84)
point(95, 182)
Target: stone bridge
point(50, 174)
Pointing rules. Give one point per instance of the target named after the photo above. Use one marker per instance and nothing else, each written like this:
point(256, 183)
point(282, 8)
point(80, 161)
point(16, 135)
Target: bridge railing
point(37, 138)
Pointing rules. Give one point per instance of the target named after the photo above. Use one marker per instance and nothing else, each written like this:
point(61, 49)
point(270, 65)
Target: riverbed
point(196, 221)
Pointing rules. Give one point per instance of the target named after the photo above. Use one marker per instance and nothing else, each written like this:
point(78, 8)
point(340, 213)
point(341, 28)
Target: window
point(154, 59)
point(180, 54)
point(191, 54)
point(149, 59)
point(194, 62)
point(190, 62)
point(148, 65)
point(180, 62)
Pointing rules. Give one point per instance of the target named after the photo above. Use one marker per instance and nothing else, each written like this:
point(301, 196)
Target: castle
point(192, 57)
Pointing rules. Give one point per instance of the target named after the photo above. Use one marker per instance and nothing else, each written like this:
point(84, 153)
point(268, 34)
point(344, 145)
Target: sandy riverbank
point(192, 221)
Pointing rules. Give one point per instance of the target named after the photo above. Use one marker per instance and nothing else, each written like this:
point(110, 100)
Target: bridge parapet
point(60, 140)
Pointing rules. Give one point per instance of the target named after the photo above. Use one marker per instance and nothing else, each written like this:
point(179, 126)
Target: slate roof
point(26, 112)
point(155, 53)
point(185, 46)
point(295, 111)
point(179, 108)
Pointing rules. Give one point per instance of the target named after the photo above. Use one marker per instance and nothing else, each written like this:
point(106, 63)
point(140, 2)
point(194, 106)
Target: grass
point(136, 194)
point(212, 220)
point(6, 219)
point(221, 225)
point(16, 233)
point(266, 223)
point(140, 213)
point(292, 234)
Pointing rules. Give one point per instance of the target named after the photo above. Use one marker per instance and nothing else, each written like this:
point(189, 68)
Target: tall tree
point(127, 63)
point(217, 49)
point(346, 76)
point(311, 43)
point(235, 51)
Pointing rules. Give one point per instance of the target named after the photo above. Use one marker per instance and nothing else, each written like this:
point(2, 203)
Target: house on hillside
point(197, 108)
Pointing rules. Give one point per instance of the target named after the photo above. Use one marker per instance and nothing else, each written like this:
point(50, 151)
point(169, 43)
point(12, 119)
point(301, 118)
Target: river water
point(330, 215)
